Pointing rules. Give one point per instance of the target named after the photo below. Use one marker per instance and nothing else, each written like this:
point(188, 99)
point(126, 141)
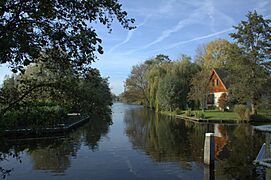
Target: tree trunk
point(202, 104)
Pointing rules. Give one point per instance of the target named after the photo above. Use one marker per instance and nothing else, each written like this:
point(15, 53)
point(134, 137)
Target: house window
point(216, 82)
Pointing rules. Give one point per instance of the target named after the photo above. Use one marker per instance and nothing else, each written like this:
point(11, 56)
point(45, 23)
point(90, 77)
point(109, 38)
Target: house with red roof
point(217, 86)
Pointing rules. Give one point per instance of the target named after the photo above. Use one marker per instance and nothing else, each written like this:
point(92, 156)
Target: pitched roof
point(223, 74)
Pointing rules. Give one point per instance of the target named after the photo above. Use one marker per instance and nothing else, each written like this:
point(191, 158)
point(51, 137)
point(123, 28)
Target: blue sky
point(171, 27)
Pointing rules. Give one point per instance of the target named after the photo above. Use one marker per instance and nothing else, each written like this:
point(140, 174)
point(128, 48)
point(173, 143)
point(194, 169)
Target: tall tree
point(252, 59)
point(200, 88)
point(213, 54)
point(169, 93)
point(184, 71)
point(28, 27)
point(158, 68)
point(94, 94)
point(160, 83)
point(136, 85)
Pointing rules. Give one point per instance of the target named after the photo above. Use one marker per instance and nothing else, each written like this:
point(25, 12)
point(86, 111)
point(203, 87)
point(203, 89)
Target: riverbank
point(213, 116)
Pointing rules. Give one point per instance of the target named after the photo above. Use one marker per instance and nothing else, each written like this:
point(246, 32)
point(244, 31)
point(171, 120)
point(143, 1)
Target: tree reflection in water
point(163, 138)
point(166, 139)
point(243, 147)
point(54, 154)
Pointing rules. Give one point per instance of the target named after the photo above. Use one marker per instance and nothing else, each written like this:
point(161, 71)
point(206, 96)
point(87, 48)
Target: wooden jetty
point(59, 129)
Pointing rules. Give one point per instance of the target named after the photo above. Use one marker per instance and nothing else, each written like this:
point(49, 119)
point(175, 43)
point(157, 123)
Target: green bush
point(189, 113)
point(243, 113)
point(34, 117)
point(199, 114)
point(248, 114)
point(178, 111)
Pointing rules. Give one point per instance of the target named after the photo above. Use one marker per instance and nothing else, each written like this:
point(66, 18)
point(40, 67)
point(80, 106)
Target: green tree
point(46, 92)
point(65, 25)
point(160, 83)
point(142, 84)
point(136, 85)
point(168, 94)
point(157, 70)
point(199, 90)
point(213, 55)
point(93, 95)
point(184, 69)
point(222, 101)
point(42, 80)
point(9, 90)
point(251, 64)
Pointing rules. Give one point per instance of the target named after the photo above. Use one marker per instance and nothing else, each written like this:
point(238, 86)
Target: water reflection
point(240, 152)
point(140, 144)
point(54, 154)
point(167, 139)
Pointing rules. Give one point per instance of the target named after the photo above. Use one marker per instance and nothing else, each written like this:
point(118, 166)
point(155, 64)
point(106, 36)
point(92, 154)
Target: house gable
point(216, 83)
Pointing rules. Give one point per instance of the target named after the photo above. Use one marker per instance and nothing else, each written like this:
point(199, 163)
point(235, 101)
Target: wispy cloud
point(262, 6)
point(205, 11)
point(129, 35)
point(210, 12)
point(165, 34)
point(197, 39)
point(155, 8)
point(166, 8)
point(193, 18)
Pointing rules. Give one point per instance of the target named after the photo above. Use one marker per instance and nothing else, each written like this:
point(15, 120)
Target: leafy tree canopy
point(136, 84)
point(251, 60)
point(213, 55)
point(253, 36)
point(28, 27)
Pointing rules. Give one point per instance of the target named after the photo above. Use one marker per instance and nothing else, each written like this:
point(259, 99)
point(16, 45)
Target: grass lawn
point(263, 115)
point(209, 114)
point(219, 115)
point(169, 113)
point(266, 113)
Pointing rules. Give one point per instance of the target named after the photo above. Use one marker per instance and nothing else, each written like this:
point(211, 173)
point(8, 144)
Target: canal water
point(135, 144)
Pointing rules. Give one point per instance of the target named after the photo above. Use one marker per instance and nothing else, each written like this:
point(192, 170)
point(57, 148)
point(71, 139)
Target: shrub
point(248, 114)
point(200, 114)
point(222, 101)
point(178, 111)
point(243, 113)
point(212, 108)
point(188, 113)
point(34, 117)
